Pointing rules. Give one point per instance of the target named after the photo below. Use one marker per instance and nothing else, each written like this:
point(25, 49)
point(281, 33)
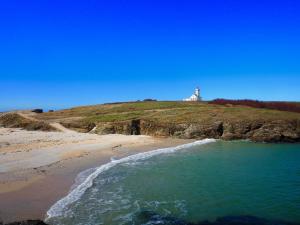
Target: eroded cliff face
point(256, 130)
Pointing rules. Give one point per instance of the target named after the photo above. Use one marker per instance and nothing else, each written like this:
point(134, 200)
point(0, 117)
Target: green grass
point(171, 112)
point(113, 117)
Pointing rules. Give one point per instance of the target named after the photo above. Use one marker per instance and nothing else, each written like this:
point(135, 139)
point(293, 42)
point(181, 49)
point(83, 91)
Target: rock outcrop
point(149, 217)
point(26, 222)
point(256, 130)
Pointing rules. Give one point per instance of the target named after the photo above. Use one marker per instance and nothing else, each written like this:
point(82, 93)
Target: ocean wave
point(75, 194)
point(80, 178)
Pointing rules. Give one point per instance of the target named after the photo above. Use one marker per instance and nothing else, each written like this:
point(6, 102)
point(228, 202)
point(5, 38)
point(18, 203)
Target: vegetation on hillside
point(14, 120)
point(173, 112)
point(182, 120)
point(283, 106)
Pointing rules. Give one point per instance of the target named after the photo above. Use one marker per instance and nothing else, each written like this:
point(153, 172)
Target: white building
point(195, 97)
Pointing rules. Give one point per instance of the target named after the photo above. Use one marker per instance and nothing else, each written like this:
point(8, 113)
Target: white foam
point(78, 191)
point(82, 176)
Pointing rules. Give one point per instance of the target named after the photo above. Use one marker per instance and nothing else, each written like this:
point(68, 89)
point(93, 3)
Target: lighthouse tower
point(197, 92)
point(195, 97)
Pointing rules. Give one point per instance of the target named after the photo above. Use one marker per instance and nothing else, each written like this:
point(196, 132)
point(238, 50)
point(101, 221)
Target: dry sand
point(38, 168)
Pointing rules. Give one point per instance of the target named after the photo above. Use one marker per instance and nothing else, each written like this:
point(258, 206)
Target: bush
point(150, 100)
point(37, 110)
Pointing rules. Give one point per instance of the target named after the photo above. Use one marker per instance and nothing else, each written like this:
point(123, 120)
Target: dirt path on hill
point(56, 125)
point(61, 128)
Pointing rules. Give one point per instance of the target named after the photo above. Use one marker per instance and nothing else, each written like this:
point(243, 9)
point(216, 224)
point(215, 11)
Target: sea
point(205, 182)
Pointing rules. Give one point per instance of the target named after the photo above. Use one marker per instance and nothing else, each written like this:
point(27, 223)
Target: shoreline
point(79, 189)
point(27, 190)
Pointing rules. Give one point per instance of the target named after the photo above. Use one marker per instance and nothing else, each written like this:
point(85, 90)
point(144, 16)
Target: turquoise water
point(194, 184)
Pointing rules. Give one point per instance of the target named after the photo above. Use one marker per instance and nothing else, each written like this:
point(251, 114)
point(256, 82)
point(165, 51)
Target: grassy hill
point(166, 111)
point(182, 119)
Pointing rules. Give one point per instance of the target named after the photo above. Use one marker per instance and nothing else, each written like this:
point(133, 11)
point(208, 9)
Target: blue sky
point(57, 54)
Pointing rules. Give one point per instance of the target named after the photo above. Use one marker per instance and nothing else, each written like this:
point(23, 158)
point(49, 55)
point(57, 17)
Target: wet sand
point(38, 168)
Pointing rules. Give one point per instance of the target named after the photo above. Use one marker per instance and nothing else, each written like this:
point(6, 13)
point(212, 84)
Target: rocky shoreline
point(26, 222)
point(255, 130)
point(226, 220)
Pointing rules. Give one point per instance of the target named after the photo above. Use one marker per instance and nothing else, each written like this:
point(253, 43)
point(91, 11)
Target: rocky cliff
point(259, 131)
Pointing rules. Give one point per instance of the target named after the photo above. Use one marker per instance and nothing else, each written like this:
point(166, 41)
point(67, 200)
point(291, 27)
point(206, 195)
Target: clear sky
point(57, 54)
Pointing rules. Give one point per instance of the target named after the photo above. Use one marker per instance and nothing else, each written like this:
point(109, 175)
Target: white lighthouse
point(195, 97)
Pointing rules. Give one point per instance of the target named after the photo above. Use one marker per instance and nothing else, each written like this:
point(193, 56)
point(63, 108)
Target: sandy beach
point(38, 168)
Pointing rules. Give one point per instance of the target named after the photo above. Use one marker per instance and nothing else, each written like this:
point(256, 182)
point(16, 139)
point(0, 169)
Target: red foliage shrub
point(283, 106)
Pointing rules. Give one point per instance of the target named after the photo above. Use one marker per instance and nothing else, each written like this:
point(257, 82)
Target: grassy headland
point(182, 119)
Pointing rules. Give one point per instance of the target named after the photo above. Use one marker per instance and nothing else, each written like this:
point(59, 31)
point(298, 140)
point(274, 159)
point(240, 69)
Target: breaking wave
point(79, 188)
